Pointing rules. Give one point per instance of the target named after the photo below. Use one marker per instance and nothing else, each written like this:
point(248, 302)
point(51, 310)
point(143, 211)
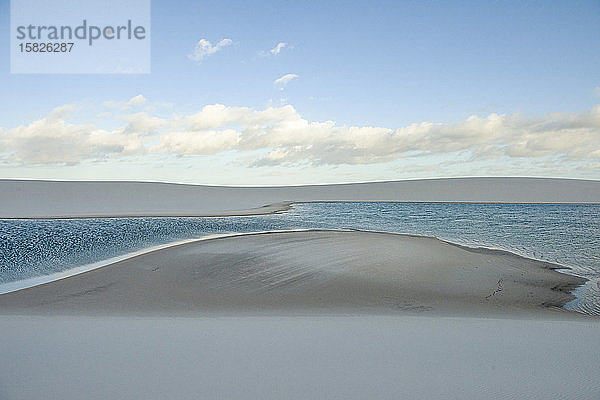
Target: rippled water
point(564, 234)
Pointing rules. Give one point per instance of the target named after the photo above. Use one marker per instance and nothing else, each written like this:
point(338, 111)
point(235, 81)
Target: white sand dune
point(30, 199)
point(333, 271)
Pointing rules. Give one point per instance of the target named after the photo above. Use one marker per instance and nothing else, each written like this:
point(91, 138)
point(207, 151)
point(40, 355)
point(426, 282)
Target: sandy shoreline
point(307, 271)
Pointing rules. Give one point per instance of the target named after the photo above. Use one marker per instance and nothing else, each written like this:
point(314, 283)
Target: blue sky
point(384, 65)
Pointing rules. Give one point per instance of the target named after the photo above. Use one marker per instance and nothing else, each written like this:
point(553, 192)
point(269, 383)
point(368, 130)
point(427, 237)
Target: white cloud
point(51, 140)
point(280, 135)
point(143, 123)
point(277, 49)
point(62, 111)
point(597, 91)
point(284, 80)
point(136, 100)
point(197, 142)
point(105, 114)
point(215, 116)
point(289, 138)
point(204, 48)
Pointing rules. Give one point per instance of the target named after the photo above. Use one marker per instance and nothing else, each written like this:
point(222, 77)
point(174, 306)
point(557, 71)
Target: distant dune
point(31, 199)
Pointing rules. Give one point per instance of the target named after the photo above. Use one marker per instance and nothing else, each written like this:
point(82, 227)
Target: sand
point(310, 357)
point(31, 199)
point(307, 271)
point(295, 315)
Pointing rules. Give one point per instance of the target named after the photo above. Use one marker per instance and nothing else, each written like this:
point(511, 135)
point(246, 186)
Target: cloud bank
point(281, 136)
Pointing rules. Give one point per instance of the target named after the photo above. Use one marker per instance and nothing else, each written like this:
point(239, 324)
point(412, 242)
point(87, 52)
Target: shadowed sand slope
point(31, 199)
point(311, 270)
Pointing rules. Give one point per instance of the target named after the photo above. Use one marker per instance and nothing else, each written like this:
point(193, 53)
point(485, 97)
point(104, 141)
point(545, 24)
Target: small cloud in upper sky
point(277, 49)
point(124, 105)
point(204, 48)
point(597, 91)
point(137, 100)
point(284, 80)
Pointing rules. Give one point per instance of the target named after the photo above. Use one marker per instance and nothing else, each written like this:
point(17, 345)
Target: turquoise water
point(568, 235)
